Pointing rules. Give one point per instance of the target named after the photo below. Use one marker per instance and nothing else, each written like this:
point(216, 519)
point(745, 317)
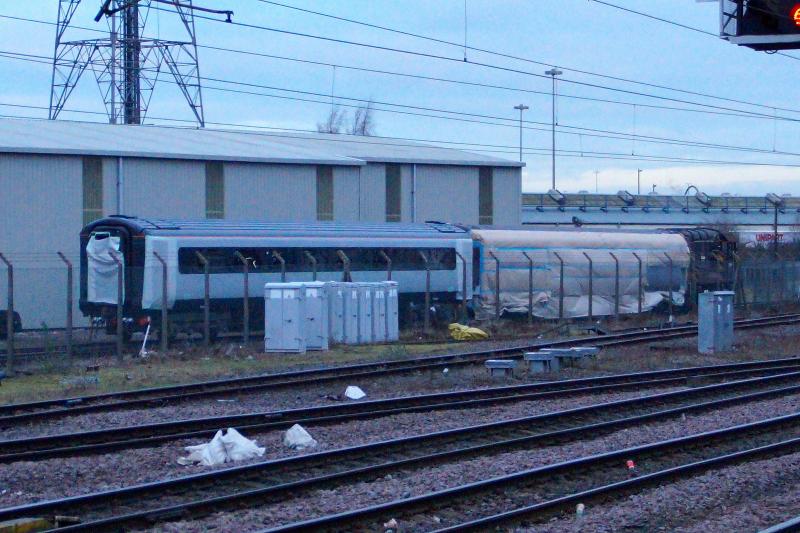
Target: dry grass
point(183, 366)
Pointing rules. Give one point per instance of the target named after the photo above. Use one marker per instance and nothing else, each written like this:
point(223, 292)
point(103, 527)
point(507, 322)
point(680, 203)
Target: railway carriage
point(273, 251)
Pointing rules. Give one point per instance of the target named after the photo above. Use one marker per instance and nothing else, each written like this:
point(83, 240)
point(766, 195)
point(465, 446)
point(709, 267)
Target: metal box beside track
point(379, 316)
point(715, 322)
point(284, 317)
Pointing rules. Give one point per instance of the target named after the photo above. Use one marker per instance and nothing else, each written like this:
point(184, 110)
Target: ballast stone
point(297, 438)
point(354, 393)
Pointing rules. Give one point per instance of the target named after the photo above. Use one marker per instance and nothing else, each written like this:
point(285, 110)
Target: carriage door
point(101, 286)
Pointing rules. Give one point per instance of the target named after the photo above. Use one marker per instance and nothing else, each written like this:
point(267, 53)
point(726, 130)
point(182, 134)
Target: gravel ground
point(413, 483)
point(745, 497)
point(271, 400)
point(28, 481)
point(681, 353)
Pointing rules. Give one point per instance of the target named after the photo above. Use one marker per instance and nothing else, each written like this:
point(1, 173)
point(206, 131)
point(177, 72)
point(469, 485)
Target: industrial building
point(56, 176)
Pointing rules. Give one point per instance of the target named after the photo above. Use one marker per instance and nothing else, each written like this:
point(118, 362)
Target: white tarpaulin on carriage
point(664, 266)
point(102, 271)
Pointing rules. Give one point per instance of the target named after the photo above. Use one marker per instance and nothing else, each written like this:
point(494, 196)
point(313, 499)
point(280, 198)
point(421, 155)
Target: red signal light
point(795, 14)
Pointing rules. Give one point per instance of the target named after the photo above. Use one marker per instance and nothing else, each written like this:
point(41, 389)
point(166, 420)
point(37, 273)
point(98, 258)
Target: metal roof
point(152, 226)
point(164, 142)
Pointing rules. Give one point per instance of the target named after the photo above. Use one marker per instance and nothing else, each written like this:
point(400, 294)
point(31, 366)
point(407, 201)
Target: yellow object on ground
point(25, 525)
point(460, 332)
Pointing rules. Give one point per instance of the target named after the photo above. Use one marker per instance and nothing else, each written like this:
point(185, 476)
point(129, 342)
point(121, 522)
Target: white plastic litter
point(223, 448)
point(354, 393)
point(297, 438)
point(239, 448)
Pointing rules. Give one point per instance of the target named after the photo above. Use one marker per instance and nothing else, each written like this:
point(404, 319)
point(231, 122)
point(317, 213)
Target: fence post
point(530, 287)
point(68, 330)
point(163, 335)
point(641, 286)
point(346, 277)
point(463, 287)
point(591, 287)
point(313, 261)
point(282, 261)
point(9, 317)
point(561, 287)
point(669, 262)
point(388, 260)
point(496, 287)
point(616, 285)
point(206, 300)
point(120, 302)
point(427, 289)
point(245, 296)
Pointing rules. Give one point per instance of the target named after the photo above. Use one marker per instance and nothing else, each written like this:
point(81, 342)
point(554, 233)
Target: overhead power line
point(544, 63)
point(487, 65)
point(739, 114)
point(684, 26)
point(457, 115)
point(342, 138)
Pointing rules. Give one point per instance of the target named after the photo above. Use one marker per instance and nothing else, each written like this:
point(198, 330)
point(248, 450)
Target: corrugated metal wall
point(458, 185)
point(256, 191)
point(41, 207)
point(40, 214)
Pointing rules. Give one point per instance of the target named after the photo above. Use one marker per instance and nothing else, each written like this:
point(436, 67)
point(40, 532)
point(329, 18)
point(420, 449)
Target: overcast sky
point(573, 34)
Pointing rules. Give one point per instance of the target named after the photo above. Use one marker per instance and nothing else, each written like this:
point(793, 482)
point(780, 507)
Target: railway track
point(102, 441)
point(581, 480)
point(144, 506)
point(34, 411)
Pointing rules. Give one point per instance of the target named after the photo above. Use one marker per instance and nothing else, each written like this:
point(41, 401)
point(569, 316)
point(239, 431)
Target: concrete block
point(501, 367)
point(540, 361)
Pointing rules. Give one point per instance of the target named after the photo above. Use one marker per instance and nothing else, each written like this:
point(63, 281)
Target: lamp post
point(639, 181)
point(596, 182)
point(553, 72)
point(521, 108)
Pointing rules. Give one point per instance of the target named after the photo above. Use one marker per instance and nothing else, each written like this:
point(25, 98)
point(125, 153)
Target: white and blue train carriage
point(292, 251)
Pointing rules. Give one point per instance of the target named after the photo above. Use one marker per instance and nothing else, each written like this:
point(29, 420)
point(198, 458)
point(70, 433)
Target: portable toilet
point(336, 310)
point(392, 311)
point(365, 292)
point(379, 316)
point(316, 313)
point(284, 317)
point(350, 313)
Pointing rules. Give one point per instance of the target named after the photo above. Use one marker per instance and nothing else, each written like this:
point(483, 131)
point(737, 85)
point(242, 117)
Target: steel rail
point(10, 413)
point(143, 505)
point(793, 524)
point(102, 441)
point(620, 487)
point(561, 482)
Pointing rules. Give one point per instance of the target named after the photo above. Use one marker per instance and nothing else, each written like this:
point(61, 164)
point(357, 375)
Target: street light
point(553, 72)
point(596, 188)
point(639, 181)
point(521, 107)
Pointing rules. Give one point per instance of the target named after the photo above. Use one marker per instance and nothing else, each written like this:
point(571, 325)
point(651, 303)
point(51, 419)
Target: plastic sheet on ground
point(297, 438)
point(224, 448)
point(354, 393)
point(460, 332)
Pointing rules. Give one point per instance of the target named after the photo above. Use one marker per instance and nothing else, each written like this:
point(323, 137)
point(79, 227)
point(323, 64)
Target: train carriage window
point(223, 260)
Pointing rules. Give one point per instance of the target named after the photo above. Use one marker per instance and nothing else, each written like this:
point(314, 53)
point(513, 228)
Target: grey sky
point(576, 34)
